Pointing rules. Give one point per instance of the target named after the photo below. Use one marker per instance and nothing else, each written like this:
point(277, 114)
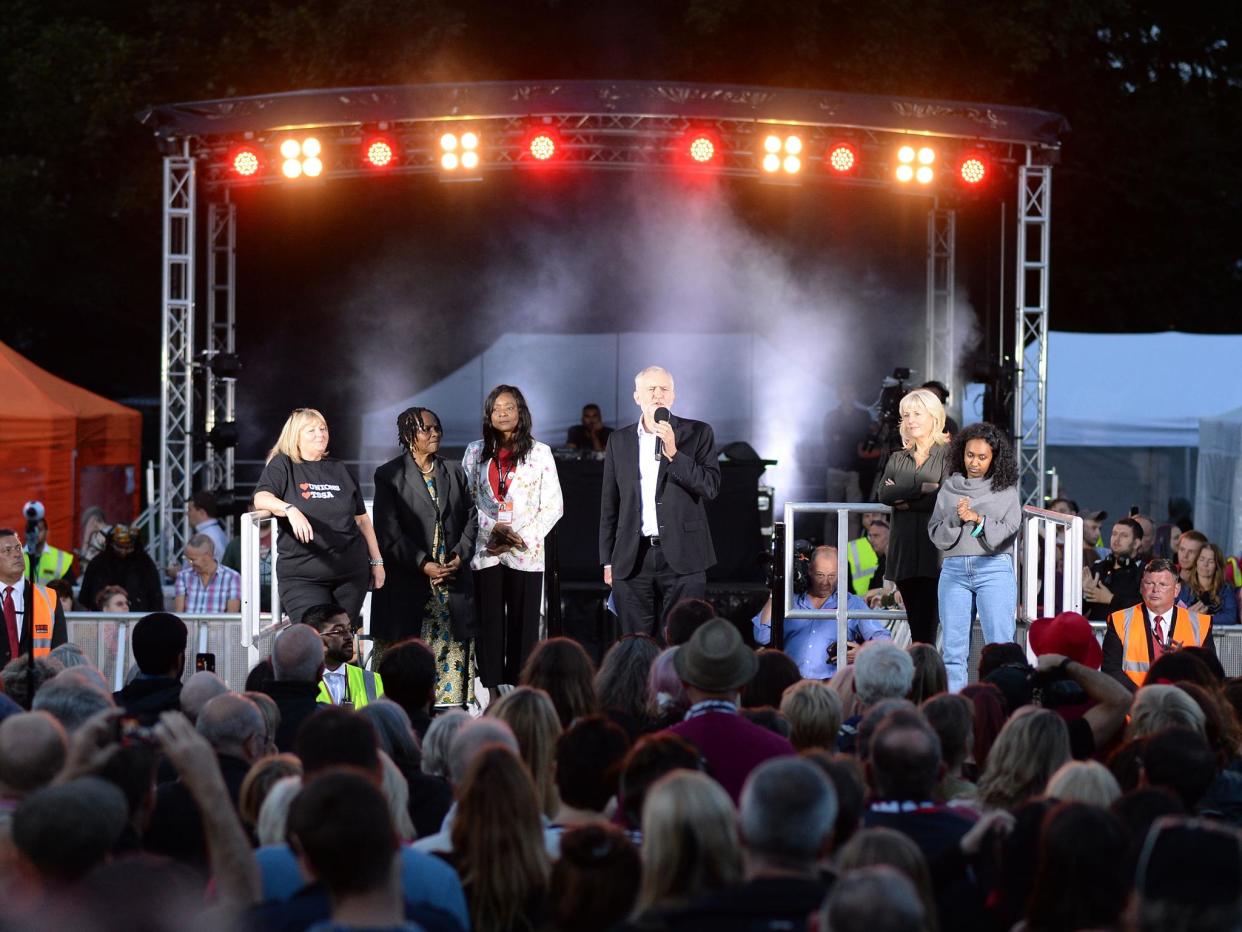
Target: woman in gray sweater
point(974, 524)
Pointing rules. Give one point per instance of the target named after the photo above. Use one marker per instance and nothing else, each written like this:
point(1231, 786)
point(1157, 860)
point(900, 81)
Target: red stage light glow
point(974, 169)
point(542, 146)
point(842, 158)
point(379, 153)
point(245, 162)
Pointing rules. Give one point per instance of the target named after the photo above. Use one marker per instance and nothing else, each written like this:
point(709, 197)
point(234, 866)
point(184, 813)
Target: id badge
point(504, 514)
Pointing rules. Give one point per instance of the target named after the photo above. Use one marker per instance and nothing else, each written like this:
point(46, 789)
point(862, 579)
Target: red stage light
point(973, 169)
point(702, 149)
point(245, 162)
point(379, 153)
point(542, 146)
point(842, 158)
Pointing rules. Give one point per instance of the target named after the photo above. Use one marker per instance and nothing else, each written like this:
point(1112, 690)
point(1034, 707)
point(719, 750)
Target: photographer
point(812, 643)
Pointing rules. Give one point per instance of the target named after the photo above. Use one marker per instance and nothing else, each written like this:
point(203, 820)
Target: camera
point(33, 510)
point(888, 409)
point(800, 571)
point(130, 733)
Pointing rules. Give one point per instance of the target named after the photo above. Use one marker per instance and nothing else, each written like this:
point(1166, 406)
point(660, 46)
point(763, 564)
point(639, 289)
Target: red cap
point(1070, 634)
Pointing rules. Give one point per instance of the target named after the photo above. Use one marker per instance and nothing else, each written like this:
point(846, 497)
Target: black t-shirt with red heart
point(328, 496)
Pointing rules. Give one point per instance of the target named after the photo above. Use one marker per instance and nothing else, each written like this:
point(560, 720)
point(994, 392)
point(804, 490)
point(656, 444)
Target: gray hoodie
point(1001, 512)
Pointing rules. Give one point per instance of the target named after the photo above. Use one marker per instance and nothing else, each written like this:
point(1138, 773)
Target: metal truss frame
point(177, 354)
point(221, 335)
point(1030, 413)
point(941, 361)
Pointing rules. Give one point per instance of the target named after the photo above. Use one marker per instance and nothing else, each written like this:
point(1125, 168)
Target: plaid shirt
point(213, 597)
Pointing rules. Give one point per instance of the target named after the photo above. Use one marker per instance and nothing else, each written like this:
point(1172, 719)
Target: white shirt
point(19, 604)
point(335, 681)
point(649, 473)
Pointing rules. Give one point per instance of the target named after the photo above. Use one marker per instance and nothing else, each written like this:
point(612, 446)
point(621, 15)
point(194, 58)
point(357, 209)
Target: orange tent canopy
point(65, 446)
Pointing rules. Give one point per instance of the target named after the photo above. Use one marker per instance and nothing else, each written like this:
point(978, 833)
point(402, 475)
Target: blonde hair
point(1159, 706)
point(1029, 749)
point(1084, 782)
point(530, 714)
point(690, 840)
point(813, 710)
point(260, 778)
point(397, 793)
point(287, 442)
point(931, 404)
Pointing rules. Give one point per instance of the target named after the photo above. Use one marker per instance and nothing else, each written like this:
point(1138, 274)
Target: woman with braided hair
point(426, 523)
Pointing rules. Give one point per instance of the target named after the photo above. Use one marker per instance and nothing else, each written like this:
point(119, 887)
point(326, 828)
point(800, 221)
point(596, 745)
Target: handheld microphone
point(660, 416)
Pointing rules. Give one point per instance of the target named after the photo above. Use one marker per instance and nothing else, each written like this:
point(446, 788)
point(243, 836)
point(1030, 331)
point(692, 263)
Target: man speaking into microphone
point(653, 536)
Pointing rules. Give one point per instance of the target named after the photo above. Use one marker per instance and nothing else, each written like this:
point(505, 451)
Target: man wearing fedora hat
point(714, 665)
point(1066, 646)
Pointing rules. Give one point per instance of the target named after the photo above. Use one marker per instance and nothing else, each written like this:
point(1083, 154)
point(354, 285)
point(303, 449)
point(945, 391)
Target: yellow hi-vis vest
point(361, 687)
point(53, 564)
point(1189, 628)
point(863, 561)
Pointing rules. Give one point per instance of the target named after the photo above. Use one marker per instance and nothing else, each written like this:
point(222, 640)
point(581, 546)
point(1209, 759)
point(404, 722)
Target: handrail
point(1051, 523)
point(251, 580)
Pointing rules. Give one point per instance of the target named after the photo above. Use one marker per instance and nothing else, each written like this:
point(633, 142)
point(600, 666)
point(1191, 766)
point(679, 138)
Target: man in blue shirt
point(810, 641)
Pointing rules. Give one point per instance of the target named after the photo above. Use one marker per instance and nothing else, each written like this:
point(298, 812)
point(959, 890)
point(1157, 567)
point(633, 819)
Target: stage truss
point(597, 126)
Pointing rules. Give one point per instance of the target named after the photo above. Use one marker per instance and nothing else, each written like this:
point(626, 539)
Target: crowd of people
point(688, 782)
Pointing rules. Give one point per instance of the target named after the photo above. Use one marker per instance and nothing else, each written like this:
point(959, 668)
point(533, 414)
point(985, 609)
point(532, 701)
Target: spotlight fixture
point(459, 151)
point(973, 169)
point(244, 162)
point(543, 144)
point(842, 158)
point(301, 157)
point(781, 153)
point(379, 152)
point(915, 164)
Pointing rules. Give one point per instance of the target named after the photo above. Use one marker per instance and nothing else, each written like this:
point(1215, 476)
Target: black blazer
point(691, 478)
point(405, 526)
point(60, 631)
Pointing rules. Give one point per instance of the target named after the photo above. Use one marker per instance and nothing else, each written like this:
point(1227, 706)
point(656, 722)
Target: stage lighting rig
point(245, 162)
point(782, 154)
point(301, 157)
point(842, 158)
point(379, 152)
point(459, 154)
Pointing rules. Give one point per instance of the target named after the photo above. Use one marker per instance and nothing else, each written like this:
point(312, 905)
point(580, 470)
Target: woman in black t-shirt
point(326, 549)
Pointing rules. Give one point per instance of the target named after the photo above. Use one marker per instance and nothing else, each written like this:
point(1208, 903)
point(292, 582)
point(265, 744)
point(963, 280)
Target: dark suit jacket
point(405, 524)
point(60, 631)
point(691, 478)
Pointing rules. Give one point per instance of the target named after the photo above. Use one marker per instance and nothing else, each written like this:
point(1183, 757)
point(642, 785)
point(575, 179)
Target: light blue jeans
point(986, 583)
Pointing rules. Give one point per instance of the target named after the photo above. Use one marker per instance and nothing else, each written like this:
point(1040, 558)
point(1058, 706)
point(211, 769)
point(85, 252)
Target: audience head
point(930, 676)
point(112, 599)
point(886, 847)
point(395, 733)
point(234, 726)
point(1179, 666)
point(498, 811)
point(65, 599)
point(873, 899)
point(1029, 749)
point(1189, 545)
point(850, 787)
point(1000, 654)
point(408, 669)
point(335, 629)
point(686, 617)
point(876, 715)
point(471, 737)
point(1084, 782)
point(621, 682)
point(776, 673)
point(336, 737)
point(529, 713)
point(397, 794)
point(1126, 539)
point(297, 655)
point(271, 827)
point(905, 759)
point(158, 643)
point(1160, 585)
point(17, 680)
point(271, 716)
point(882, 671)
point(952, 718)
point(715, 661)
point(690, 843)
point(989, 717)
point(199, 689)
point(63, 831)
point(666, 695)
point(1189, 876)
point(71, 700)
point(813, 711)
point(1080, 881)
point(262, 776)
point(596, 878)
point(1159, 707)
point(786, 814)
point(69, 654)
point(562, 669)
point(340, 828)
point(652, 757)
point(33, 747)
point(1179, 760)
point(439, 739)
point(589, 756)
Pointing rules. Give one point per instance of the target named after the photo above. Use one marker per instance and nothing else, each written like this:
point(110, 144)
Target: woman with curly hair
point(974, 523)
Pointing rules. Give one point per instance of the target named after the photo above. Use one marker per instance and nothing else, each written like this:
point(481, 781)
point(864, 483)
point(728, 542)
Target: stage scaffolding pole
point(221, 334)
point(176, 355)
point(941, 362)
point(1031, 264)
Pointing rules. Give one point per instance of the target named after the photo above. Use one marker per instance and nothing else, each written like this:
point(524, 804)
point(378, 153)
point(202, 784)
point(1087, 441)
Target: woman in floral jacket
point(513, 480)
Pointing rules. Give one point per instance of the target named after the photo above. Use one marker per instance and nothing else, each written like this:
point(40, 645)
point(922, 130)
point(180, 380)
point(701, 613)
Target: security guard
point(33, 618)
point(343, 683)
point(50, 562)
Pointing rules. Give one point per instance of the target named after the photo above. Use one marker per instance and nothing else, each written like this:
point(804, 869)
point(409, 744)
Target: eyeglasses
point(338, 632)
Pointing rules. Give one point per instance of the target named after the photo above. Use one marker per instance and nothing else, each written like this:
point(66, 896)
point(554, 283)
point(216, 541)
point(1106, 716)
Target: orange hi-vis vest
point(1189, 628)
point(44, 615)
